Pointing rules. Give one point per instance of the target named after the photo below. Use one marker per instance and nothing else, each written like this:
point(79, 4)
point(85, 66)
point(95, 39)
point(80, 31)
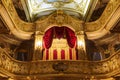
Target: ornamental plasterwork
point(12, 14)
point(60, 19)
point(7, 11)
point(105, 68)
point(37, 6)
point(110, 9)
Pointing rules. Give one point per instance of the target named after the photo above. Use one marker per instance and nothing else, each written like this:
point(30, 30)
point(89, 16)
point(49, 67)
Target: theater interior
point(59, 39)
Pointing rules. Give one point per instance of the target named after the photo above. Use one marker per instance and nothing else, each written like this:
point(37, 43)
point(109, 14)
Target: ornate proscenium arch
point(59, 18)
point(59, 32)
point(54, 37)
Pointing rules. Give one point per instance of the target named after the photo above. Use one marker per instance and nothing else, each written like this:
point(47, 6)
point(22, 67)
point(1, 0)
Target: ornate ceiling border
point(108, 39)
point(59, 18)
point(19, 28)
point(107, 21)
point(99, 27)
point(10, 40)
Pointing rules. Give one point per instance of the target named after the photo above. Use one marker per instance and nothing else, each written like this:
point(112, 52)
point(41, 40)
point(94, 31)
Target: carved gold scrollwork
point(59, 18)
point(61, 67)
point(110, 9)
point(58, 3)
point(22, 26)
point(38, 45)
point(104, 68)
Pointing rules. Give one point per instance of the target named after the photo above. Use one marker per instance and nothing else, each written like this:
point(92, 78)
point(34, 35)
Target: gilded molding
point(8, 39)
point(112, 6)
point(105, 68)
point(12, 27)
point(19, 24)
point(90, 27)
point(108, 39)
point(60, 19)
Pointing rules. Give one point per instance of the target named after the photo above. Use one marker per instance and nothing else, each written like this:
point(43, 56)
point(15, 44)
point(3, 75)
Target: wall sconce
point(38, 42)
point(81, 43)
point(38, 45)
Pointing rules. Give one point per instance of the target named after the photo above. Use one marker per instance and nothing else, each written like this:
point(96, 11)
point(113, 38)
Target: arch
point(59, 32)
point(59, 43)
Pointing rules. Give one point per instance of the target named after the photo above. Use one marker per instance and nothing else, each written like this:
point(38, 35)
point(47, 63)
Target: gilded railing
point(104, 68)
point(11, 65)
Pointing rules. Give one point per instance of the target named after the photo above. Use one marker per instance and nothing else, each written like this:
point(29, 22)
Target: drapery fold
point(59, 32)
point(71, 38)
point(48, 37)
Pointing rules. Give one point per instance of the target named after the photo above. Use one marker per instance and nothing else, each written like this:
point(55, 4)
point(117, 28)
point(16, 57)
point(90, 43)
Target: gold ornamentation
point(68, 21)
point(64, 1)
point(60, 19)
point(81, 47)
point(61, 67)
point(38, 46)
point(58, 3)
point(18, 23)
point(10, 67)
point(105, 17)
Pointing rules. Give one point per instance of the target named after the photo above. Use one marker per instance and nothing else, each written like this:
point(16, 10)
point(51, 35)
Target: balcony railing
point(103, 68)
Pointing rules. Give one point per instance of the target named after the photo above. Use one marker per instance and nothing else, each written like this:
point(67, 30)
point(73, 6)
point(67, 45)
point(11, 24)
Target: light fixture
point(38, 47)
point(38, 42)
point(81, 43)
point(81, 46)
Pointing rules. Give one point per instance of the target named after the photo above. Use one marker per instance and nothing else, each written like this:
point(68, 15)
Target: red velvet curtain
point(71, 38)
point(48, 37)
point(62, 54)
point(59, 32)
point(47, 54)
point(70, 53)
point(54, 54)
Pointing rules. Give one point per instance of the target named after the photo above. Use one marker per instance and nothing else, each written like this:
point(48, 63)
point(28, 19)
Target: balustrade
point(67, 67)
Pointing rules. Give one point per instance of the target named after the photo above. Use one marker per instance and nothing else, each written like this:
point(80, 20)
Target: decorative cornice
point(60, 19)
point(107, 20)
point(18, 23)
point(8, 39)
point(109, 11)
point(108, 39)
point(13, 25)
point(99, 27)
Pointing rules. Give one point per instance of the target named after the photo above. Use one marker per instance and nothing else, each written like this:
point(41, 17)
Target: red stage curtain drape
point(54, 54)
point(71, 38)
point(70, 52)
point(62, 54)
point(47, 54)
point(48, 37)
point(59, 32)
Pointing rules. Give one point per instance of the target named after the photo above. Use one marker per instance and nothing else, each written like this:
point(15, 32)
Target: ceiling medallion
point(58, 4)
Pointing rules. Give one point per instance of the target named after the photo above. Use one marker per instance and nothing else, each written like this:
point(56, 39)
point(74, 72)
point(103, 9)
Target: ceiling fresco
point(37, 8)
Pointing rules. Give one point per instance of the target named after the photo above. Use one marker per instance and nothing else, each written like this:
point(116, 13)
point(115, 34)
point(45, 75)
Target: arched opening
point(59, 44)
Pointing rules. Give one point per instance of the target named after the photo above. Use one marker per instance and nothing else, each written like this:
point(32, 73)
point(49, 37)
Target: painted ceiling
point(37, 8)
